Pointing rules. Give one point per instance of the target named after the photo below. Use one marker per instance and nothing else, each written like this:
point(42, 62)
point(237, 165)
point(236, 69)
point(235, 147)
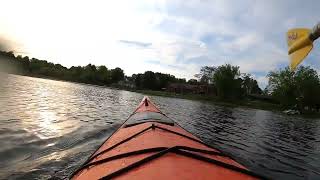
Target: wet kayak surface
point(48, 128)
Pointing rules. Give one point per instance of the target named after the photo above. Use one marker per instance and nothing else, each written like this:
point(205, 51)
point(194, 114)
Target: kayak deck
point(150, 145)
point(143, 117)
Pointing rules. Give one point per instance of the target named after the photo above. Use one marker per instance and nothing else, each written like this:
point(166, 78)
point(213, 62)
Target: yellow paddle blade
point(297, 57)
point(299, 45)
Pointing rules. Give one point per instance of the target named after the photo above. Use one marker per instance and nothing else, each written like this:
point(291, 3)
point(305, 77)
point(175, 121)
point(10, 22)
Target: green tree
point(282, 86)
point(137, 78)
point(103, 75)
point(154, 81)
point(75, 73)
point(299, 88)
point(117, 75)
point(250, 85)
point(227, 81)
point(308, 87)
point(206, 74)
point(149, 80)
point(193, 81)
point(88, 74)
point(25, 64)
point(162, 80)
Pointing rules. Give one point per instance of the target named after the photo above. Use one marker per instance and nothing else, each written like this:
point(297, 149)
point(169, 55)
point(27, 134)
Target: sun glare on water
point(47, 116)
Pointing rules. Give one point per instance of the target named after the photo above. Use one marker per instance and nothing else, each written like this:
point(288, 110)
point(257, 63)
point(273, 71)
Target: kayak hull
point(158, 149)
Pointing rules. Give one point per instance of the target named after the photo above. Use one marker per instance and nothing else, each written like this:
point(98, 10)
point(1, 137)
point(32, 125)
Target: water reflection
point(48, 128)
point(43, 108)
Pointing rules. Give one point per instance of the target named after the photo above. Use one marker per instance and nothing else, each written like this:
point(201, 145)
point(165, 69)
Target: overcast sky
point(176, 37)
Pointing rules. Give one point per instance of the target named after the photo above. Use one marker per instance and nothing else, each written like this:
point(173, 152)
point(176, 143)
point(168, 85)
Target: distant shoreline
point(214, 100)
point(252, 104)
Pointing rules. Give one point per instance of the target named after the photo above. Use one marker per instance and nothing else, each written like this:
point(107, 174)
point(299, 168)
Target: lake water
point(48, 128)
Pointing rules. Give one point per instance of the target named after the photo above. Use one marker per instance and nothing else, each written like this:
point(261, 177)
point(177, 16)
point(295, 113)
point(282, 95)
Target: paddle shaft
point(315, 33)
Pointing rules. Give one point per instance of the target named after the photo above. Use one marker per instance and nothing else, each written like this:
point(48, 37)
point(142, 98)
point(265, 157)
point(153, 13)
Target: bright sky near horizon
point(173, 36)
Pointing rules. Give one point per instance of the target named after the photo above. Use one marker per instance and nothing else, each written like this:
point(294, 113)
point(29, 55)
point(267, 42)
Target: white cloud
point(180, 35)
point(242, 43)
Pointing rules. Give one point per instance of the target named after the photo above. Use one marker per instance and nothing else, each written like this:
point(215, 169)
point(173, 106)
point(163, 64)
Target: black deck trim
point(119, 143)
point(130, 125)
point(148, 116)
point(179, 150)
point(144, 151)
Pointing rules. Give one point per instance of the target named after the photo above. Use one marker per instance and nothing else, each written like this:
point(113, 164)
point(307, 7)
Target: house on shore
point(180, 88)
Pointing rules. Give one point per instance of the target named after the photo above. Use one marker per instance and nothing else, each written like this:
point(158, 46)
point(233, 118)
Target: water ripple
point(48, 128)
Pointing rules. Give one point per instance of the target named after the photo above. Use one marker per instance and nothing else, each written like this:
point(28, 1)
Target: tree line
point(154, 81)
point(91, 74)
point(228, 81)
point(290, 89)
